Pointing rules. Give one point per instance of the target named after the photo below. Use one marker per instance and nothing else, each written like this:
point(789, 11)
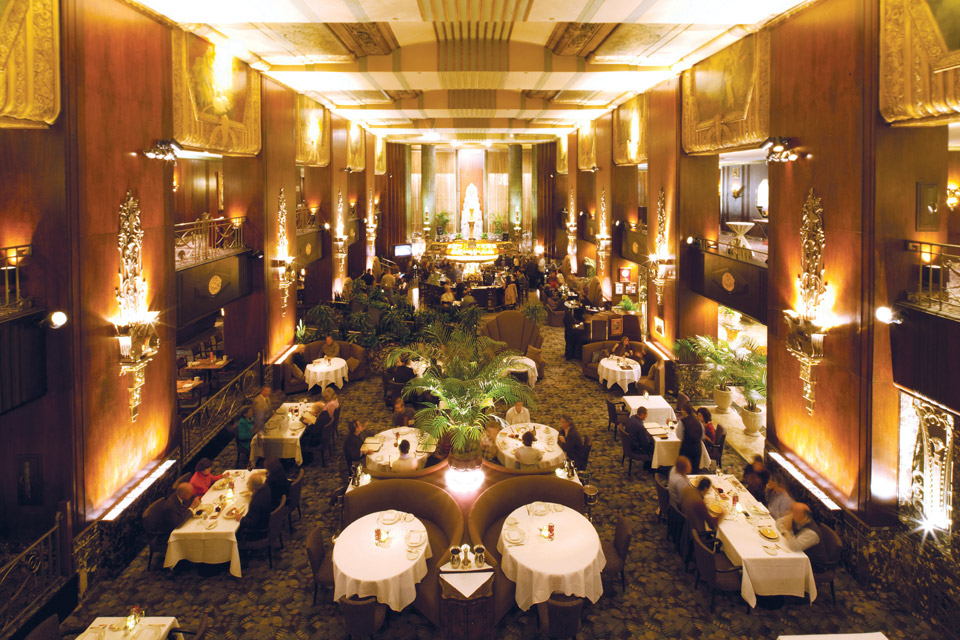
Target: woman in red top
point(203, 477)
point(709, 431)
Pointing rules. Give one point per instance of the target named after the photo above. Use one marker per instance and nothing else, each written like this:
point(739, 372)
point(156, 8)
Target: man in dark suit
point(571, 442)
point(254, 524)
point(404, 373)
point(172, 512)
point(574, 335)
point(353, 443)
point(640, 440)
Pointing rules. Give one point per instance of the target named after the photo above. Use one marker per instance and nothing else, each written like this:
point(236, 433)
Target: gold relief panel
point(587, 146)
point(216, 98)
point(563, 145)
point(630, 131)
point(726, 98)
point(920, 61)
point(313, 133)
point(29, 63)
point(356, 148)
point(379, 156)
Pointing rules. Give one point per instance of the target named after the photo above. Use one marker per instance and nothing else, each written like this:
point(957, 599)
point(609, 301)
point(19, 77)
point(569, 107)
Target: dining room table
point(751, 541)
point(210, 536)
point(281, 434)
point(207, 366)
point(547, 548)
point(146, 628)
point(545, 439)
point(382, 449)
point(186, 386)
point(658, 409)
point(524, 365)
point(382, 554)
point(875, 635)
point(666, 445)
point(326, 371)
point(616, 370)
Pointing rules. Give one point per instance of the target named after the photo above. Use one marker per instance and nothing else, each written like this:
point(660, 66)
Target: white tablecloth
point(553, 455)
point(666, 450)
point(610, 372)
point(838, 636)
point(362, 568)
point(788, 573)
point(658, 409)
point(389, 451)
point(150, 628)
point(571, 563)
point(320, 373)
point(527, 365)
point(194, 542)
point(281, 435)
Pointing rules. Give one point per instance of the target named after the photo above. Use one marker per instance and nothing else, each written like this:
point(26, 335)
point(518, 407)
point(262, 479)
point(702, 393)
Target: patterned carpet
point(660, 600)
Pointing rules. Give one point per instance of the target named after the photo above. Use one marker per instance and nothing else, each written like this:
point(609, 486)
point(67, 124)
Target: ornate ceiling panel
point(29, 63)
point(366, 39)
point(630, 42)
point(577, 38)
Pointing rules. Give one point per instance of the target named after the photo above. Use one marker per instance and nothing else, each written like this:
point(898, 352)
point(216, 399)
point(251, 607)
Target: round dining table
point(324, 371)
point(390, 569)
point(389, 450)
point(570, 563)
point(525, 365)
point(546, 441)
point(614, 370)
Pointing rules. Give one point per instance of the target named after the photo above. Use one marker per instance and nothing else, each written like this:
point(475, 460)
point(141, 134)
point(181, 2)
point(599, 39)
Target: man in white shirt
point(407, 461)
point(678, 480)
point(518, 413)
point(801, 533)
point(527, 455)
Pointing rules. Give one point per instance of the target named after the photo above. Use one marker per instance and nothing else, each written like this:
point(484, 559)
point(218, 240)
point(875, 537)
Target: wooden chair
point(827, 573)
point(321, 562)
point(715, 570)
point(587, 448)
point(616, 552)
point(629, 454)
point(716, 449)
point(363, 617)
point(560, 616)
point(293, 500)
point(617, 415)
point(157, 540)
point(243, 451)
point(49, 629)
point(663, 497)
point(184, 478)
point(336, 424)
point(273, 533)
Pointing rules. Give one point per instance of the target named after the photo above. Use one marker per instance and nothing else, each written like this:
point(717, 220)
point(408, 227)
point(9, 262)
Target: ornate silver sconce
point(287, 271)
point(135, 324)
point(660, 260)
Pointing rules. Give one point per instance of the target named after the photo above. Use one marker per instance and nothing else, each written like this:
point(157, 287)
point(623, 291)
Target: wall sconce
point(736, 187)
point(779, 150)
point(287, 271)
point(809, 323)
point(926, 464)
point(661, 258)
point(886, 315)
point(166, 150)
point(953, 196)
point(763, 198)
point(135, 324)
point(54, 320)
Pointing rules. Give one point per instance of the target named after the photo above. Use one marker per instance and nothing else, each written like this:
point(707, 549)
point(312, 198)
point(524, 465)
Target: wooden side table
point(466, 617)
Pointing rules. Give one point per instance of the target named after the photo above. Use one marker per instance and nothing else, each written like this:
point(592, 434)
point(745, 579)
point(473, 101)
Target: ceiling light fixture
point(166, 150)
point(779, 150)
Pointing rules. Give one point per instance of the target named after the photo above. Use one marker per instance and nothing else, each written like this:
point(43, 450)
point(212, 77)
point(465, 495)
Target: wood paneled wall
point(953, 176)
point(196, 192)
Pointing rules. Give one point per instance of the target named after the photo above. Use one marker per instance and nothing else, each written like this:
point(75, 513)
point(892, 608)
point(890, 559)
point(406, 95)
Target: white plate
point(413, 554)
point(408, 517)
point(514, 536)
point(558, 508)
point(415, 538)
point(211, 525)
point(770, 550)
point(390, 517)
point(540, 509)
point(511, 521)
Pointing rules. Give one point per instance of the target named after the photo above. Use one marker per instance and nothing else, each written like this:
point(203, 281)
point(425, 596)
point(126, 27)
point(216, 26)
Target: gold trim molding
point(379, 156)
point(919, 74)
point(207, 116)
point(563, 149)
point(726, 98)
point(29, 64)
point(630, 131)
point(313, 133)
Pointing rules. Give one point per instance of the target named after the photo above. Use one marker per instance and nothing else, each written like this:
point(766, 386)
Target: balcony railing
point(29, 580)
point(13, 299)
point(207, 239)
point(937, 277)
point(220, 410)
point(755, 252)
point(307, 219)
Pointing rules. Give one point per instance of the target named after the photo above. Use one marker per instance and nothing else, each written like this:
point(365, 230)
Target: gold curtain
point(498, 188)
point(446, 181)
point(416, 208)
point(527, 168)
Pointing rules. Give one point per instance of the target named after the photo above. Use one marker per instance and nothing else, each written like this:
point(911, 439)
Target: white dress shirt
point(518, 417)
point(802, 541)
point(677, 483)
point(528, 456)
point(406, 462)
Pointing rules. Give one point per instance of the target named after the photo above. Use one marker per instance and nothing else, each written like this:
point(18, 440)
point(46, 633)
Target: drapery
point(416, 181)
point(446, 181)
point(548, 209)
point(498, 190)
point(394, 223)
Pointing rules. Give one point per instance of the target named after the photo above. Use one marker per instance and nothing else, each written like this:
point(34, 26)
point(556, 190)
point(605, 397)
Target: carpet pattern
point(660, 600)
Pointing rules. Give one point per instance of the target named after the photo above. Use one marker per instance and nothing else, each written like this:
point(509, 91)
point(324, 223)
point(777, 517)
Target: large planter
point(723, 399)
point(752, 421)
point(689, 381)
point(466, 460)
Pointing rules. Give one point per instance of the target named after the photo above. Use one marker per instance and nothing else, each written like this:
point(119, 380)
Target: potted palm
point(689, 370)
point(717, 356)
point(535, 311)
point(627, 305)
point(750, 372)
point(465, 378)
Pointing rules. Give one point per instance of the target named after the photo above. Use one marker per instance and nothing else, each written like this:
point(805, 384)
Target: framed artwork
point(616, 326)
point(928, 206)
point(313, 133)
point(631, 287)
point(624, 274)
point(29, 481)
point(618, 288)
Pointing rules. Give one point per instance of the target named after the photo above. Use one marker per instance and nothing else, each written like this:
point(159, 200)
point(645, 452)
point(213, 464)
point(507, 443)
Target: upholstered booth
point(499, 468)
point(416, 473)
point(354, 354)
point(655, 383)
point(439, 513)
point(492, 507)
point(515, 329)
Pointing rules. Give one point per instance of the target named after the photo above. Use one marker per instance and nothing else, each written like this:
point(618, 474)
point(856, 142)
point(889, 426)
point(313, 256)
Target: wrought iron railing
point(753, 253)
point(13, 299)
point(937, 283)
point(207, 239)
point(219, 410)
point(29, 580)
point(307, 219)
